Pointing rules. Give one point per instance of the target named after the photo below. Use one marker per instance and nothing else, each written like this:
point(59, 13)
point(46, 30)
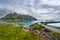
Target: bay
point(25, 24)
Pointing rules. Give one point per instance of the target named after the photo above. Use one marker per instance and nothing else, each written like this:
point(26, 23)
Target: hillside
point(15, 32)
point(45, 33)
point(17, 17)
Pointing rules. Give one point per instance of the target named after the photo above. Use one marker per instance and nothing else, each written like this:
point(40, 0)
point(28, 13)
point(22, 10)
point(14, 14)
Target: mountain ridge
point(17, 17)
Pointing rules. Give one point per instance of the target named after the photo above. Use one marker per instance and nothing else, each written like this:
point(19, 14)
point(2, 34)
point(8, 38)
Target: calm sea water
point(26, 24)
point(22, 23)
point(55, 24)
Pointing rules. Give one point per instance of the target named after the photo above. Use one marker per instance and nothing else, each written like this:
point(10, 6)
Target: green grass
point(11, 32)
point(56, 34)
point(38, 27)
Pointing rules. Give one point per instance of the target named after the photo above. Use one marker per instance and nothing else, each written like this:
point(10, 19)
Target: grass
point(38, 27)
point(13, 32)
point(56, 34)
point(16, 32)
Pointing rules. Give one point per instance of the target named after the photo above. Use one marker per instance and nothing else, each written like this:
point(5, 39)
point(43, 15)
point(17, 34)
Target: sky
point(40, 9)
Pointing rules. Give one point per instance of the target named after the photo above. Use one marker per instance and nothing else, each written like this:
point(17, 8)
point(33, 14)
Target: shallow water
point(22, 23)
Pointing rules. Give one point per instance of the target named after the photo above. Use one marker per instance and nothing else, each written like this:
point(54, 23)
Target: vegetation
point(56, 34)
point(36, 26)
point(46, 32)
point(17, 17)
point(15, 32)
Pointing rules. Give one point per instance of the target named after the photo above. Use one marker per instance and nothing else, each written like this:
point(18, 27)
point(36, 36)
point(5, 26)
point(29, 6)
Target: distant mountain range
point(17, 17)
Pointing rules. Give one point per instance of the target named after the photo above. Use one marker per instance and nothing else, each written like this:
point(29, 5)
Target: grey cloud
point(53, 14)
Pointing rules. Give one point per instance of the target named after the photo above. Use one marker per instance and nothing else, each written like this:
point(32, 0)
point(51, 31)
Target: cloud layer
point(41, 9)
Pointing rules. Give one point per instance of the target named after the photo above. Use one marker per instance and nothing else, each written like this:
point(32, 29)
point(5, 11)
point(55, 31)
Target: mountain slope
point(17, 17)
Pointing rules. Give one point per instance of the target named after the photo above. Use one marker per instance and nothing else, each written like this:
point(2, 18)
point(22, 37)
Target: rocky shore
point(42, 32)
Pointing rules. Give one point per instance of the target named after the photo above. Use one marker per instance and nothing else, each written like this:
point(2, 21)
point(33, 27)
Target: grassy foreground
point(15, 32)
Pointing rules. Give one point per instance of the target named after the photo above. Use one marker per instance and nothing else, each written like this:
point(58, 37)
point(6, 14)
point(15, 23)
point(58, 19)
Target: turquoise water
point(55, 24)
point(22, 23)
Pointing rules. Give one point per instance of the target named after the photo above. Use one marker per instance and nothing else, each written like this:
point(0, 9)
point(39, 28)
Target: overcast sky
point(41, 9)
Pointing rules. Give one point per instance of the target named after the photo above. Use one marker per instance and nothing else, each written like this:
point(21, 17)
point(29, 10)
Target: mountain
point(17, 17)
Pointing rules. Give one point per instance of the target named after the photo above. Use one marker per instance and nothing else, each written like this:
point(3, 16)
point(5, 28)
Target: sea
point(54, 24)
point(25, 24)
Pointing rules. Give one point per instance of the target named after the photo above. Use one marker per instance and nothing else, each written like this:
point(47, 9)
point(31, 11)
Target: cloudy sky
point(40, 9)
